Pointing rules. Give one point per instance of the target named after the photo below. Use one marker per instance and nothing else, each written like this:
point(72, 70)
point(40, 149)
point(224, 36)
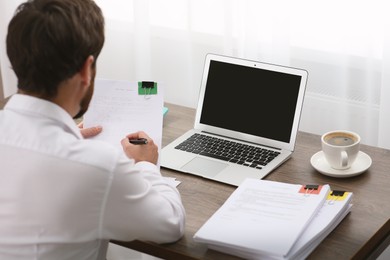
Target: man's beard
point(84, 104)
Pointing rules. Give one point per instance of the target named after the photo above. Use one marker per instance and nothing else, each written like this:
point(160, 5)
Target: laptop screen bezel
point(247, 137)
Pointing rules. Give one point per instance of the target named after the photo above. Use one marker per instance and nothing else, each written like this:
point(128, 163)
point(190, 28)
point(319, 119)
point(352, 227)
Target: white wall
point(116, 59)
point(165, 61)
point(175, 59)
point(7, 77)
point(170, 64)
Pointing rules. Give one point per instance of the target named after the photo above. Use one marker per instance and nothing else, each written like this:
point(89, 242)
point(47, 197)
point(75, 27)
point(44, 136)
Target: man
point(63, 196)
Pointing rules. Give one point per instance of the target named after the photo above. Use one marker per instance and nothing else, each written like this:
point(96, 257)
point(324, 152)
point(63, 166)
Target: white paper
point(328, 217)
point(120, 110)
point(172, 181)
point(262, 217)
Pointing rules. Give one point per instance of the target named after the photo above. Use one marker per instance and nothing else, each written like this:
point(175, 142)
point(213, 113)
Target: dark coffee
point(340, 140)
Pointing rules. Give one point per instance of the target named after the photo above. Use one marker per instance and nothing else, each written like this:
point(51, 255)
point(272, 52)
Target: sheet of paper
point(328, 217)
point(263, 217)
point(120, 110)
point(326, 220)
point(172, 181)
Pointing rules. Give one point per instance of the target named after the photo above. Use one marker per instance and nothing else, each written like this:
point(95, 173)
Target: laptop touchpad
point(204, 167)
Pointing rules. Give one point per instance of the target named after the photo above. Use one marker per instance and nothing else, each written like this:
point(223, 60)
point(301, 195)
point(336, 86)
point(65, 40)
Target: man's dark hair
point(48, 41)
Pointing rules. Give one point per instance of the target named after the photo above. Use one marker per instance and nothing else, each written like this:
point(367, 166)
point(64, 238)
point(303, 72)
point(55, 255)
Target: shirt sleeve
point(141, 204)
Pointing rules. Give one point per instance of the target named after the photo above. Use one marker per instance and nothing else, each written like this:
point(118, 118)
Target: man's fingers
point(91, 131)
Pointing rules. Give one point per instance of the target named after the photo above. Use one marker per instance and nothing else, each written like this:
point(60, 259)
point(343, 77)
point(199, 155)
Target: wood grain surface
point(353, 238)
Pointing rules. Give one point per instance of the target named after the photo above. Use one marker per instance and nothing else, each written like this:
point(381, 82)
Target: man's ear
point(86, 71)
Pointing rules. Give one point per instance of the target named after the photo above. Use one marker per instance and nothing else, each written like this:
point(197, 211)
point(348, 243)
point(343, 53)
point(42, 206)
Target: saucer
point(361, 164)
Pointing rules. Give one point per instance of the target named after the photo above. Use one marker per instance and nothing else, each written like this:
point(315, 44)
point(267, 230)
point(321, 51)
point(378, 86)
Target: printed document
point(263, 217)
point(329, 216)
point(120, 110)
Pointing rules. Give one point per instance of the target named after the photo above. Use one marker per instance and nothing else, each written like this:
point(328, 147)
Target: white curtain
point(344, 45)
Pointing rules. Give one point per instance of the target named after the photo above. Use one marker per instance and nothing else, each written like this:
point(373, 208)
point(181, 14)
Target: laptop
point(246, 121)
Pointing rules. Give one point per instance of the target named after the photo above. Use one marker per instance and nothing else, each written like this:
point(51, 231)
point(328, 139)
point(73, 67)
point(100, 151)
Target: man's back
point(62, 195)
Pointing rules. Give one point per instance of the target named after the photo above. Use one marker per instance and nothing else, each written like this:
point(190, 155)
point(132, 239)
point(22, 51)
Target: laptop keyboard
point(244, 154)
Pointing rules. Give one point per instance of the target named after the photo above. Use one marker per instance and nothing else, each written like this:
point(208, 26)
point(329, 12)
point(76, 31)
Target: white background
point(344, 45)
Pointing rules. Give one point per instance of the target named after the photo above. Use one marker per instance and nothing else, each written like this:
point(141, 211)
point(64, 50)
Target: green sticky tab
point(147, 88)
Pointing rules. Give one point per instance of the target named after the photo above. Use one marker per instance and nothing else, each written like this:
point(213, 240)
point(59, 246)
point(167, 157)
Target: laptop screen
point(250, 100)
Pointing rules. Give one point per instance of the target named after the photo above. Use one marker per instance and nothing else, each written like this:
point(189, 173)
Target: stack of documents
point(272, 220)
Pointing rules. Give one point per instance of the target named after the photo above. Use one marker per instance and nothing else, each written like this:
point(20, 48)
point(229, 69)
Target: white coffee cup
point(340, 148)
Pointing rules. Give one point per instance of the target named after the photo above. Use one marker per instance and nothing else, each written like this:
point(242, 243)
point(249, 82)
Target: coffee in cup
point(340, 148)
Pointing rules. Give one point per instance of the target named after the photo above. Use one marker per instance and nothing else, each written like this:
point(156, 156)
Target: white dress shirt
point(63, 197)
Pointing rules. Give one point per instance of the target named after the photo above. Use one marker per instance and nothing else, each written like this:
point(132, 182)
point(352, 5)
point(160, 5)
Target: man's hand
point(140, 152)
point(89, 132)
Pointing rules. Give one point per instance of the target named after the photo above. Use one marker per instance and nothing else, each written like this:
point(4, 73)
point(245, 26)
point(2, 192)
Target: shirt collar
point(33, 106)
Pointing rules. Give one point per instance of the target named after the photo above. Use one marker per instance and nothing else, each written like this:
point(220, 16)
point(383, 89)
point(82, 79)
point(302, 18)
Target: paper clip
point(309, 188)
point(147, 86)
point(335, 195)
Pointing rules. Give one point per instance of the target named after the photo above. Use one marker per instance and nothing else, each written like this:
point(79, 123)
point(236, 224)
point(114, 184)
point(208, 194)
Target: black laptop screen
point(250, 100)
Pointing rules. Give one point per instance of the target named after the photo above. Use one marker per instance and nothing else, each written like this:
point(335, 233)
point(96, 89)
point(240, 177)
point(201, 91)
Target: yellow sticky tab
point(335, 195)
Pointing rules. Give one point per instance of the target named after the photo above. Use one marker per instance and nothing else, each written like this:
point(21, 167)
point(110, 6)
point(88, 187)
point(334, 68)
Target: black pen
point(139, 141)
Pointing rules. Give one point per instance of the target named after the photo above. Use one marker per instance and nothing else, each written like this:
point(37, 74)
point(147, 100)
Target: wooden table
point(363, 234)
